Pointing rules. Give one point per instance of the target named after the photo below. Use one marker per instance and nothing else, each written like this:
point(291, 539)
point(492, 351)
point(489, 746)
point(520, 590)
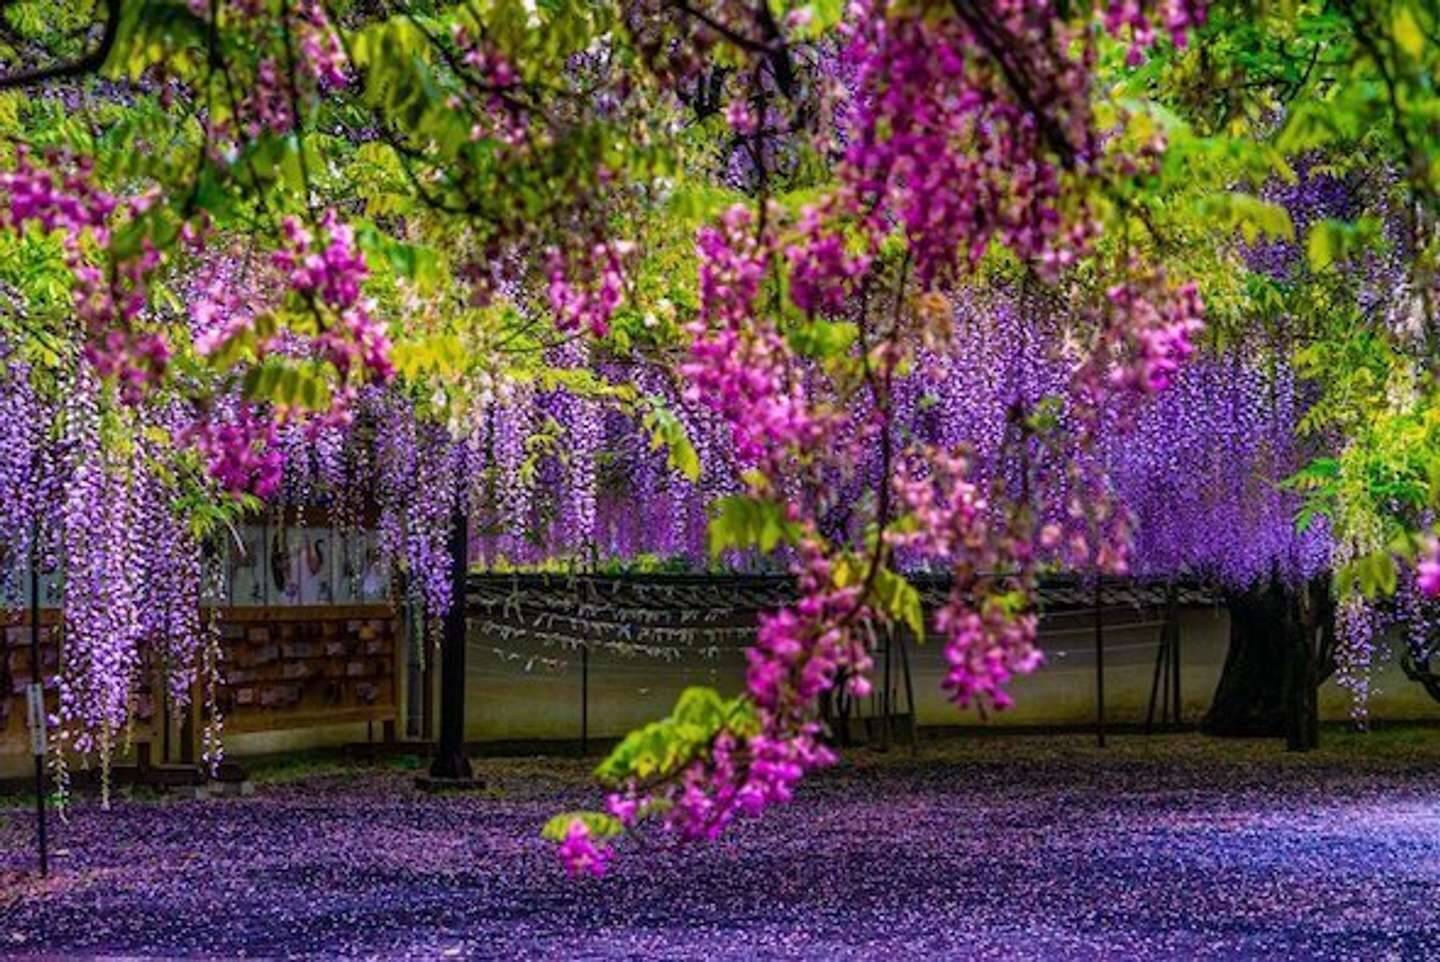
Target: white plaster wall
point(507, 701)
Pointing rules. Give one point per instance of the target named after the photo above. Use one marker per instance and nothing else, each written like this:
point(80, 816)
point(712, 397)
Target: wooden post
point(450, 761)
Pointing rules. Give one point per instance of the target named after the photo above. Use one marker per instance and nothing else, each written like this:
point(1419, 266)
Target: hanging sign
point(35, 702)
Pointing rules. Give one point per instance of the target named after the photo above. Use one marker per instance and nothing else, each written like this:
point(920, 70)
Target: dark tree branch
point(88, 64)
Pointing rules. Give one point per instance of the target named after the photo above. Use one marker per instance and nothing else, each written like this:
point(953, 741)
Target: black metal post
point(886, 733)
point(1162, 672)
point(450, 760)
point(909, 695)
point(1172, 618)
point(1099, 664)
point(36, 702)
point(584, 700)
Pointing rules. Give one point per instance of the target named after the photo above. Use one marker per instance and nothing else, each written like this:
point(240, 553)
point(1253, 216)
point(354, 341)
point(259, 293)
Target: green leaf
point(741, 521)
point(600, 825)
point(889, 592)
point(1333, 241)
point(1376, 574)
point(1251, 216)
point(667, 430)
point(1408, 34)
point(663, 747)
point(700, 706)
point(823, 339)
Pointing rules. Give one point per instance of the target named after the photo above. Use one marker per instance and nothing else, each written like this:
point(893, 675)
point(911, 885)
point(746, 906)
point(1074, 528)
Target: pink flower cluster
point(823, 276)
point(1427, 570)
point(330, 271)
point(580, 854)
point(72, 202)
point(739, 364)
point(988, 637)
point(800, 651)
point(221, 307)
point(321, 52)
point(1159, 324)
point(939, 142)
point(240, 453)
point(502, 112)
point(109, 304)
point(743, 776)
point(586, 296)
point(741, 117)
point(984, 649)
point(270, 103)
point(1176, 16)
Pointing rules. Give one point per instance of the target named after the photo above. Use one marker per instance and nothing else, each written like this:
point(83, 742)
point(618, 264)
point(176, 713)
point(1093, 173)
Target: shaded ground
point(1003, 848)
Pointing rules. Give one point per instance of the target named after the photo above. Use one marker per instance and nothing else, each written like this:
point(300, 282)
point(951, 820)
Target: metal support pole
point(36, 702)
point(886, 733)
point(1157, 690)
point(1172, 618)
point(584, 700)
point(909, 695)
point(450, 760)
point(1099, 664)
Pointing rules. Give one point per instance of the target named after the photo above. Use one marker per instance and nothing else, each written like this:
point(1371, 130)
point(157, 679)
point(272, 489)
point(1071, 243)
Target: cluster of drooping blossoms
point(418, 476)
point(963, 128)
point(789, 659)
point(327, 271)
point(739, 364)
point(1142, 337)
point(1427, 569)
point(495, 83)
point(307, 54)
point(585, 293)
point(823, 273)
point(63, 196)
point(989, 638)
point(240, 453)
point(580, 853)
point(1177, 17)
point(1156, 334)
point(322, 55)
point(741, 368)
point(940, 142)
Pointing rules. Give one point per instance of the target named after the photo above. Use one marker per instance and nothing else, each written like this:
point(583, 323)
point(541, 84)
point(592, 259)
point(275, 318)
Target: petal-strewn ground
point(998, 848)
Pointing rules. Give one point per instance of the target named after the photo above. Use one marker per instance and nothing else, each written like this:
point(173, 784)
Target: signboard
point(35, 701)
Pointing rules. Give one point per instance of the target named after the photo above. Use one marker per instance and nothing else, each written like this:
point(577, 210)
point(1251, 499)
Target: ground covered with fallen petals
point(995, 848)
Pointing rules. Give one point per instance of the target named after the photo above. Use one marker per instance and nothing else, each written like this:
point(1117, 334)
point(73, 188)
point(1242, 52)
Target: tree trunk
point(1310, 634)
point(1281, 651)
point(1250, 697)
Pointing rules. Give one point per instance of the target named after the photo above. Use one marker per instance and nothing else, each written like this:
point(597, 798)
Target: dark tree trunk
point(450, 760)
point(1280, 652)
point(1310, 632)
point(1250, 699)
